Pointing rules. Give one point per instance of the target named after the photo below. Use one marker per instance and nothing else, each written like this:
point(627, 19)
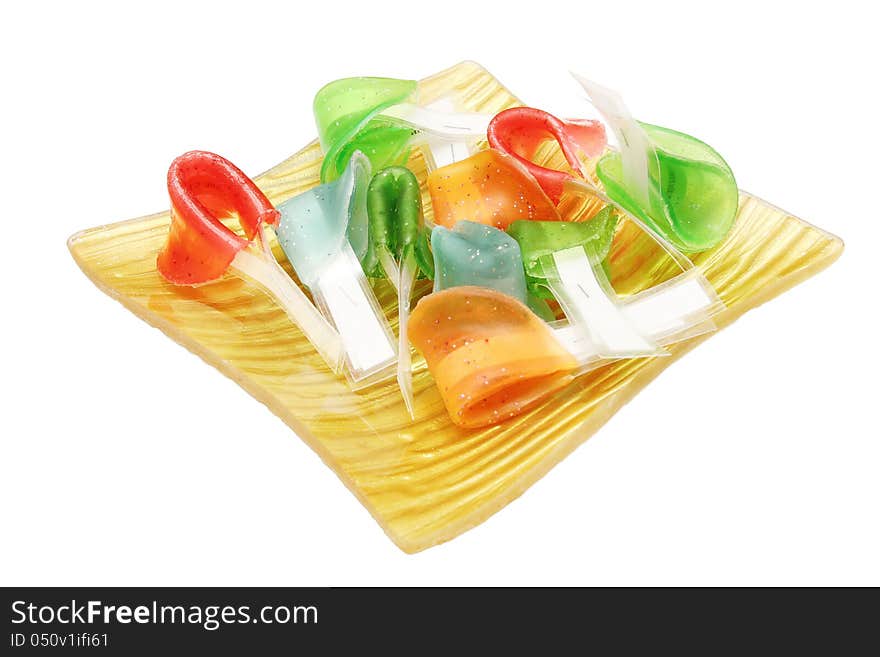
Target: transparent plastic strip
point(342, 291)
point(262, 268)
point(666, 314)
point(635, 148)
point(448, 125)
point(588, 305)
point(408, 271)
point(447, 135)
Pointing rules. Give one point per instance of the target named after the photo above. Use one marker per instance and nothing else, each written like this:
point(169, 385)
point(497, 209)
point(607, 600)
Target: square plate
point(424, 481)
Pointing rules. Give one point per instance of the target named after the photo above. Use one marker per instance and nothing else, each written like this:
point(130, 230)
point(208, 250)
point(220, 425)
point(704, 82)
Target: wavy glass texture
point(425, 481)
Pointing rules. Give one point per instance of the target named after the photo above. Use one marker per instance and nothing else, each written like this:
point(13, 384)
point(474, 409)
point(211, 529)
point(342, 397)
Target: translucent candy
point(539, 239)
point(474, 254)
point(205, 187)
point(519, 132)
point(570, 261)
point(394, 208)
point(489, 188)
point(679, 186)
point(693, 197)
point(491, 357)
point(315, 226)
point(567, 258)
point(347, 116)
point(324, 233)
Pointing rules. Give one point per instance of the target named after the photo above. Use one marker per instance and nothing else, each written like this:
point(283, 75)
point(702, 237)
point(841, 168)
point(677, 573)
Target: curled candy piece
point(539, 239)
point(320, 223)
point(693, 197)
point(488, 188)
point(519, 132)
point(491, 357)
point(204, 187)
point(475, 254)
point(347, 116)
point(478, 255)
point(679, 186)
point(378, 116)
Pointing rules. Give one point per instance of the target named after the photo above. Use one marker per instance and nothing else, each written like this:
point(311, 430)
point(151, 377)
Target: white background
point(754, 460)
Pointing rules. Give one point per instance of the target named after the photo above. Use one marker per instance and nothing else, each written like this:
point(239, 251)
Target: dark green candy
point(394, 208)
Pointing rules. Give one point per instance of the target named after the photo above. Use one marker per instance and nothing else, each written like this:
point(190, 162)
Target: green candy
point(394, 210)
point(539, 239)
point(424, 256)
point(347, 116)
point(692, 194)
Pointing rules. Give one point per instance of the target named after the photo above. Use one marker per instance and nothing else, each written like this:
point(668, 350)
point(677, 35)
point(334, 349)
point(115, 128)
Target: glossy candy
point(693, 197)
point(394, 209)
point(396, 227)
point(475, 254)
point(205, 187)
point(378, 116)
point(490, 356)
point(539, 239)
point(567, 258)
point(679, 186)
point(324, 232)
point(489, 188)
point(423, 254)
point(519, 132)
point(478, 255)
point(347, 116)
point(562, 260)
point(319, 224)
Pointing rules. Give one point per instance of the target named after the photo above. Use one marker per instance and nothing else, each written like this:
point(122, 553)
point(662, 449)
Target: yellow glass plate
point(425, 481)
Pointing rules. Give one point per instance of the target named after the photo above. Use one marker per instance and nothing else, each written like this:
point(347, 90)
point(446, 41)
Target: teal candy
point(315, 225)
point(476, 254)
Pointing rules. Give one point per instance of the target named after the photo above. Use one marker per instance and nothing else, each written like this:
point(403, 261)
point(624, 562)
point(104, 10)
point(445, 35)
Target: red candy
point(205, 187)
point(521, 130)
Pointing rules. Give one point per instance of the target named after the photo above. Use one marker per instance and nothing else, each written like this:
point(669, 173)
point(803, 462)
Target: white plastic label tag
point(364, 339)
point(447, 152)
point(588, 305)
point(446, 133)
point(673, 307)
point(635, 148)
point(670, 308)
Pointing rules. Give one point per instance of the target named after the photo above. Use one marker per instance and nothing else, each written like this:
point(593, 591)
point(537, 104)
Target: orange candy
point(491, 357)
point(488, 188)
